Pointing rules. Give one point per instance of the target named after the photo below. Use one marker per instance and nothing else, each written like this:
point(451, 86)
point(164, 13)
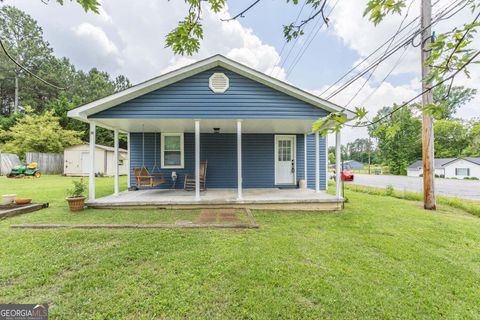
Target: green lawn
point(380, 258)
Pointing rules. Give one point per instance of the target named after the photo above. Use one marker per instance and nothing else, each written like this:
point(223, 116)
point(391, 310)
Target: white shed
point(77, 161)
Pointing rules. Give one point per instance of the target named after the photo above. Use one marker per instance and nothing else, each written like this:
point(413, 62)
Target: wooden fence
point(48, 163)
point(7, 162)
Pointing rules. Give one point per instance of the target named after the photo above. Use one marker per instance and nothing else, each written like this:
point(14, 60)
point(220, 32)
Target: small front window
point(462, 172)
point(172, 150)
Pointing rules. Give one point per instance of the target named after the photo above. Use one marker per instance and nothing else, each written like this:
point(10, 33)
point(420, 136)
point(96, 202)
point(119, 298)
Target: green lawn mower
point(21, 171)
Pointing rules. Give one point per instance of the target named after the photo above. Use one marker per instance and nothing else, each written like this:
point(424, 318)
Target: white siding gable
point(450, 171)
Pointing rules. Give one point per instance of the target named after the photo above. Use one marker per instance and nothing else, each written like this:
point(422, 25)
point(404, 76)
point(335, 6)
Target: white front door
point(285, 162)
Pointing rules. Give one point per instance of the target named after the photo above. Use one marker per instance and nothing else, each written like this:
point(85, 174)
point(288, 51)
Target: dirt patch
point(228, 215)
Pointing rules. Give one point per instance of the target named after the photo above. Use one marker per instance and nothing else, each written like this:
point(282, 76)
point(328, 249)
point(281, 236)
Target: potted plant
point(76, 198)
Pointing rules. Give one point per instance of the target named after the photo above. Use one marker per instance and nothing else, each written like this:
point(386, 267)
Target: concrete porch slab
point(270, 198)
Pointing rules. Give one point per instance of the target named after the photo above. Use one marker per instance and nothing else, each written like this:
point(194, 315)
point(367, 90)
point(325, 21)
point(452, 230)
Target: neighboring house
point(253, 130)
point(468, 167)
point(352, 165)
point(76, 160)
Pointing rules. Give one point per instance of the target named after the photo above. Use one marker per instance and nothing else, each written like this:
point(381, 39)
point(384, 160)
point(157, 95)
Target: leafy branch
point(293, 30)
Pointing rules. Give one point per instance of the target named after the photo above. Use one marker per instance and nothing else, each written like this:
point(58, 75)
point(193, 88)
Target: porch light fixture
point(216, 130)
point(218, 82)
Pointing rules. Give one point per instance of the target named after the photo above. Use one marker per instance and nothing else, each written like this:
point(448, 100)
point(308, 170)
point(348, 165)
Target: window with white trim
point(172, 150)
point(462, 172)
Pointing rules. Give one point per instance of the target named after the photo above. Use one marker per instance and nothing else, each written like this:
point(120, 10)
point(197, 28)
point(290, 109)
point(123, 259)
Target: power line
point(309, 41)
point(291, 48)
point(452, 76)
point(285, 40)
point(396, 64)
point(401, 57)
point(385, 56)
point(386, 50)
point(241, 14)
point(376, 50)
point(26, 70)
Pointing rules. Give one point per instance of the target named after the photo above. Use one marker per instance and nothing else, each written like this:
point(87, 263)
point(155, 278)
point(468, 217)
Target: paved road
point(467, 189)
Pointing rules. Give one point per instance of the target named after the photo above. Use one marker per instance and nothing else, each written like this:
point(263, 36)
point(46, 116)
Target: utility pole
point(427, 120)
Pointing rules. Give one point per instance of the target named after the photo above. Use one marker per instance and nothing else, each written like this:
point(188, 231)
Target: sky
point(127, 37)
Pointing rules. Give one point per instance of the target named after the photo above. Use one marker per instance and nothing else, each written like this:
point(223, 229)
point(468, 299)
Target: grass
point(382, 257)
point(469, 206)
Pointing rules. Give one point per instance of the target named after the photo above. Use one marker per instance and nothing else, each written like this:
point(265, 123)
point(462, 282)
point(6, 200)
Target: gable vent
point(218, 82)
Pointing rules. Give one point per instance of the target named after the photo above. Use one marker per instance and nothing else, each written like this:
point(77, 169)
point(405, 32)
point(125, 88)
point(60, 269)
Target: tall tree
point(399, 138)
point(449, 100)
point(473, 149)
point(23, 39)
point(451, 138)
point(359, 150)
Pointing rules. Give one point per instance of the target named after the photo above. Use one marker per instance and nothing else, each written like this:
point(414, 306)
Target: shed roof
point(100, 146)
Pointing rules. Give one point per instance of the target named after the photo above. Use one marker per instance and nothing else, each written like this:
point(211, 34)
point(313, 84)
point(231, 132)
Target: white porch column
point(116, 168)
point(91, 176)
point(129, 160)
point(197, 160)
point(239, 160)
point(305, 159)
point(338, 161)
point(317, 162)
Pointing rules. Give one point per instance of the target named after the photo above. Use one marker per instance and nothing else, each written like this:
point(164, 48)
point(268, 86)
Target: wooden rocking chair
point(189, 182)
point(145, 179)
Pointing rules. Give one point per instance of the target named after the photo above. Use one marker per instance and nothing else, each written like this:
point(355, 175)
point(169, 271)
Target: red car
point(347, 175)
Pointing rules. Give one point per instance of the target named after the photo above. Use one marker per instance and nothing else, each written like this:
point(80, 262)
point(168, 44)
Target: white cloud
point(98, 39)
point(362, 36)
point(128, 37)
point(235, 42)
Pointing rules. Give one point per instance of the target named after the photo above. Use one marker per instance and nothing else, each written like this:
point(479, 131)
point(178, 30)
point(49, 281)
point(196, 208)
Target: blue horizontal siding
point(300, 157)
point(192, 98)
point(258, 160)
point(220, 150)
point(311, 162)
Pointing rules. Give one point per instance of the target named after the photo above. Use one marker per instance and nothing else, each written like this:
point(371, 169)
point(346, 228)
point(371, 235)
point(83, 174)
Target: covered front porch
point(243, 164)
point(264, 198)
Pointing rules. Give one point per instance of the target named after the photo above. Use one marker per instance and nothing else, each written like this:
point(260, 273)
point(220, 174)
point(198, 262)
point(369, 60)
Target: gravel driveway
point(468, 189)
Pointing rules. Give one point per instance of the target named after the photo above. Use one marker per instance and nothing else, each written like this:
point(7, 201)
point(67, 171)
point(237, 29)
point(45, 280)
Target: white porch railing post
point(317, 162)
point(305, 159)
point(91, 176)
point(326, 164)
point(239, 160)
point(129, 161)
point(197, 160)
point(116, 168)
point(338, 161)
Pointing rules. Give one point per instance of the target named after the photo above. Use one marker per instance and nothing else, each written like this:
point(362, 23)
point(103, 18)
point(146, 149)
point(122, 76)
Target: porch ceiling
point(207, 125)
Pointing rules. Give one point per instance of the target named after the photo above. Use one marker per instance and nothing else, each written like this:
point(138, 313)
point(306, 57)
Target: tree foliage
point(449, 100)
point(38, 133)
point(473, 148)
point(361, 149)
point(451, 138)
point(23, 39)
point(399, 139)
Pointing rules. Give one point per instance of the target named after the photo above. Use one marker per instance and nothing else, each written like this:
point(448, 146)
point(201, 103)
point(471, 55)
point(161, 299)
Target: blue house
point(243, 134)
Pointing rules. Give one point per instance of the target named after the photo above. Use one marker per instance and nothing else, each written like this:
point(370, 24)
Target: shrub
point(78, 189)
point(389, 191)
